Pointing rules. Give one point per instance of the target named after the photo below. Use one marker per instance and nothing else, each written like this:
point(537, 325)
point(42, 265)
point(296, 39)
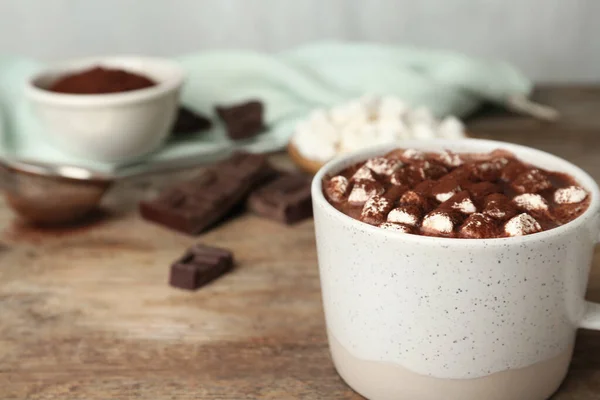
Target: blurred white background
point(550, 40)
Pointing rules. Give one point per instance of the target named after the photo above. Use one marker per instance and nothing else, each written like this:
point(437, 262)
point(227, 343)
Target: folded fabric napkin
point(290, 83)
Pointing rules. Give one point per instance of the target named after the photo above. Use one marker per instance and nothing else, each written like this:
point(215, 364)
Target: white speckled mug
point(425, 318)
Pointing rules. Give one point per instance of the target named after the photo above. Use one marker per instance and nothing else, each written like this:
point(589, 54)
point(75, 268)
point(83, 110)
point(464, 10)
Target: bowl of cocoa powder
point(110, 109)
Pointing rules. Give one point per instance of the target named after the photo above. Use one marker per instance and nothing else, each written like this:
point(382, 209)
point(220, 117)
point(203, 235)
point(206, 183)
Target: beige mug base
point(386, 381)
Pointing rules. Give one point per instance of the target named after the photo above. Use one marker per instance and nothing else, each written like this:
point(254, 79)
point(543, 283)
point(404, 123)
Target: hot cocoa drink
point(458, 195)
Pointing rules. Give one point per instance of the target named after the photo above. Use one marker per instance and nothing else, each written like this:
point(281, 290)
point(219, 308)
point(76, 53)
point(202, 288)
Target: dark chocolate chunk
point(200, 265)
point(195, 205)
point(189, 121)
point(242, 121)
point(287, 199)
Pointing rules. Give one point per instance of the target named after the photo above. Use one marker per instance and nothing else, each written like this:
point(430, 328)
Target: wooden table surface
point(86, 313)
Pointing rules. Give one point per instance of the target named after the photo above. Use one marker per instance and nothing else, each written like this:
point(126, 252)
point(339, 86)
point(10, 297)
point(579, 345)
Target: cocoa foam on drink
point(458, 195)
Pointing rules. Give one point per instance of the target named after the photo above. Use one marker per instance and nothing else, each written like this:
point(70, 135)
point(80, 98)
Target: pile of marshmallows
point(364, 189)
point(368, 121)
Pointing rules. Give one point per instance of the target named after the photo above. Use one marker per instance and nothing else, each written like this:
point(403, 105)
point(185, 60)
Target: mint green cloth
point(291, 84)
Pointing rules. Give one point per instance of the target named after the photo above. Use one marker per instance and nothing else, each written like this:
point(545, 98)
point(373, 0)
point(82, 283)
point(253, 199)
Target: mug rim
point(338, 163)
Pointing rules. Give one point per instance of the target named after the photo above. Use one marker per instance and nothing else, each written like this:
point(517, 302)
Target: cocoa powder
point(100, 80)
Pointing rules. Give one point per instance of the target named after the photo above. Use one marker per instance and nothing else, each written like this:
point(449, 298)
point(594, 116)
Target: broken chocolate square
point(200, 265)
point(195, 205)
point(287, 199)
point(242, 121)
point(189, 121)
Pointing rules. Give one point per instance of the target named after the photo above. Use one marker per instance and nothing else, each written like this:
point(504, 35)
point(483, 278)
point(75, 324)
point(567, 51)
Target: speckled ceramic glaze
point(455, 308)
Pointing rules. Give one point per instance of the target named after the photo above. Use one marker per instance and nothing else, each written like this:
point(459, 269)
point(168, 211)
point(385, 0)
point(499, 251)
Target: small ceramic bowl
point(114, 126)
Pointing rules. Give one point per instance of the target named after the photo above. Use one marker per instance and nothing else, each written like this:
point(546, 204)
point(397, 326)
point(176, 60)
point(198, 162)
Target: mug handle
point(591, 317)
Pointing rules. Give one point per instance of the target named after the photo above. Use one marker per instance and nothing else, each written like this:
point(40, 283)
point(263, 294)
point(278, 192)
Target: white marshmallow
point(363, 173)
point(438, 222)
point(361, 193)
point(442, 197)
point(413, 154)
point(451, 128)
point(383, 166)
point(400, 216)
point(466, 206)
point(522, 224)
point(420, 115)
point(423, 131)
point(531, 202)
point(312, 147)
point(368, 121)
point(337, 188)
point(570, 195)
point(354, 139)
point(451, 159)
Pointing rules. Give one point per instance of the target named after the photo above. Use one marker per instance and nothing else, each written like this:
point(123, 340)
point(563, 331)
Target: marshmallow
point(420, 115)
point(375, 209)
point(461, 202)
point(499, 207)
point(442, 191)
point(408, 215)
point(522, 224)
point(438, 222)
point(342, 114)
point(478, 226)
point(363, 173)
point(495, 212)
point(411, 197)
point(318, 118)
point(466, 206)
point(450, 159)
point(412, 154)
point(531, 202)
point(370, 103)
point(383, 166)
point(336, 188)
point(423, 131)
point(570, 195)
point(441, 197)
point(354, 139)
point(363, 190)
point(316, 138)
point(392, 128)
point(367, 121)
point(451, 128)
point(489, 170)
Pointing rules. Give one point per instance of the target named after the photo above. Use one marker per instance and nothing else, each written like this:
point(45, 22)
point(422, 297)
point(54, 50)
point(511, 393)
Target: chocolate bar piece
point(189, 121)
point(286, 199)
point(242, 121)
point(200, 265)
point(193, 206)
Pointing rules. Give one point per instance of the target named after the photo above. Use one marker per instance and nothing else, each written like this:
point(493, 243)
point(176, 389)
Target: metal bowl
point(39, 196)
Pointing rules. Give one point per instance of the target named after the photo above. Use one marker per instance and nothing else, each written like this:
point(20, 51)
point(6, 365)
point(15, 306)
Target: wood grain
point(87, 313)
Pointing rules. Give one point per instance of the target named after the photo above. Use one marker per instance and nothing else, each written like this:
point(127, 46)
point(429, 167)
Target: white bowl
point(114, 126)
